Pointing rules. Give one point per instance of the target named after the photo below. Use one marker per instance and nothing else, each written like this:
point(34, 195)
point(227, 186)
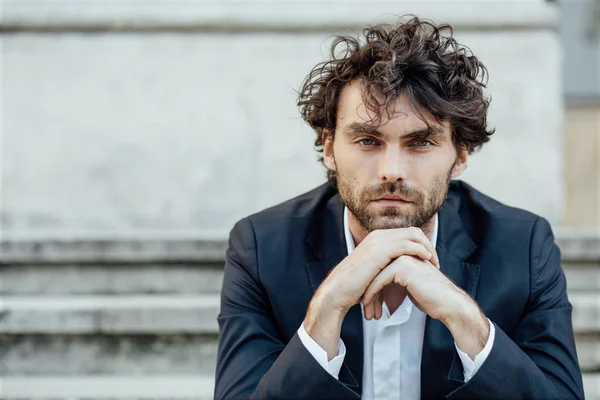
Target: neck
point(359, 233)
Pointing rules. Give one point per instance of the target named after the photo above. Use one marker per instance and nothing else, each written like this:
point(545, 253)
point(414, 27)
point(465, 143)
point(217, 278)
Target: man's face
point(394, 174)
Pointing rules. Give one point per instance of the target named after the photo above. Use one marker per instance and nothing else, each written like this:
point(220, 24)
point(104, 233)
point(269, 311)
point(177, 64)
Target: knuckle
point(415, 231)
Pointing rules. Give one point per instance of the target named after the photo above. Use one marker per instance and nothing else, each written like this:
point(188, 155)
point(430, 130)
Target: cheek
point(344, 156)
point(429, 168)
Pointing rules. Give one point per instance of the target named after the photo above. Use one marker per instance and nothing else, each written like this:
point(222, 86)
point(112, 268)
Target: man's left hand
point(435, 295)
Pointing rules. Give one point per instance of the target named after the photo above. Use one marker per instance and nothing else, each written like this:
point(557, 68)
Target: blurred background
point(135, 133)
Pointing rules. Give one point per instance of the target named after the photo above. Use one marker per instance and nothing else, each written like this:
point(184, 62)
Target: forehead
point(404, 115)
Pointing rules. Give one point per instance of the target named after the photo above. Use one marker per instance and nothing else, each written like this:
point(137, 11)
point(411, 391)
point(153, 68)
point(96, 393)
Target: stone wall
point(178, 118)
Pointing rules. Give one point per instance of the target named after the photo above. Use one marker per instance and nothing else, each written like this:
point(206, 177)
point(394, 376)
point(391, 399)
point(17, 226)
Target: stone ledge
point(579, 245)
point(588, 351)
point(273, 15)
point(112, 250)
point(591, 384)
point(108, 387)
point(165, 314)
point(67, 354)
point(575, 246)
point(586, 312)
point(115, 279)
point(168, 278)
point(109, 314)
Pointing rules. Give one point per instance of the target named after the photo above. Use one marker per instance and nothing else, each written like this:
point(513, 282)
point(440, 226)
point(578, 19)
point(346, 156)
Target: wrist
point(469, 327)
point(323, 323)
point(465, 315)
point(320, 312)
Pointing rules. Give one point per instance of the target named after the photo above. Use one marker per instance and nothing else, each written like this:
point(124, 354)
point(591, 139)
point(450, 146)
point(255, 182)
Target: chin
point(384, 222)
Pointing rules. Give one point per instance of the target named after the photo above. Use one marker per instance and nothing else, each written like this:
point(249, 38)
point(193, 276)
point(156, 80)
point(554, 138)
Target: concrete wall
point(176, 119)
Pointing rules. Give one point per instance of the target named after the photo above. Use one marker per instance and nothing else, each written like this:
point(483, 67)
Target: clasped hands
point(404, 256)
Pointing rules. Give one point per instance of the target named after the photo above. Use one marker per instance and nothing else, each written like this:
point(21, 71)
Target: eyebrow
point(361, 127)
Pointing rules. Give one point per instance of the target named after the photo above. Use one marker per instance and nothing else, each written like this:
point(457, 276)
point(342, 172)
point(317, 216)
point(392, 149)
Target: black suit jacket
point(505, 258)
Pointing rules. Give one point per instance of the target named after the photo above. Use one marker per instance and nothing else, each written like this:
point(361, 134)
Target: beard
point(424, 203)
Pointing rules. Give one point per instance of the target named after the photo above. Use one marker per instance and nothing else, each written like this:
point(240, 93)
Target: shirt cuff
point(470, 367)
point(334, 366)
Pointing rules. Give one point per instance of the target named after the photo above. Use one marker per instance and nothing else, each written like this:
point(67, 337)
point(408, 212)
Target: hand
point(429, 289)
point(347, 282)
point(435, 295)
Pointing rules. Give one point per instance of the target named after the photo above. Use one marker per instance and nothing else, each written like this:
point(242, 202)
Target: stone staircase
point(109, 320)
point(137, 319)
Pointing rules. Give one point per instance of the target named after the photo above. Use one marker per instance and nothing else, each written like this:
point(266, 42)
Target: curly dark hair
point(416, 57)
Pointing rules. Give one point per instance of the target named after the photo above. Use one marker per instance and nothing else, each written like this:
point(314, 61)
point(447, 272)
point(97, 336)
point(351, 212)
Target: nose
point(392, 166)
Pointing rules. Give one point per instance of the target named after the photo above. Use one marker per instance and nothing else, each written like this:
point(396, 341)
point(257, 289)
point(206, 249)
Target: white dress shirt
point(392, 347)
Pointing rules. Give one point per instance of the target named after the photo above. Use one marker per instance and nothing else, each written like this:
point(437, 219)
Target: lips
point(393, 197)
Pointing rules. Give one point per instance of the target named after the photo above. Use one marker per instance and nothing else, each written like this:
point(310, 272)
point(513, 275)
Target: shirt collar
point(350, 246)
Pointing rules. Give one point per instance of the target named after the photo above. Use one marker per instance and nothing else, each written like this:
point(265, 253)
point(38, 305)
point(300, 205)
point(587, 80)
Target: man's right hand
point(348, 281)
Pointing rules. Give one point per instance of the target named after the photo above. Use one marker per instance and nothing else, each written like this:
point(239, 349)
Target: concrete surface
point(154, 314)
point(286, 15)
point(116, 279)
point(177, 131)
point(175, 387)
point(64, 355)
point(55, 338)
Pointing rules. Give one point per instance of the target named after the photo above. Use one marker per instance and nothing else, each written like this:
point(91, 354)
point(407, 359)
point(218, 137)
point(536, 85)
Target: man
point(391, 281)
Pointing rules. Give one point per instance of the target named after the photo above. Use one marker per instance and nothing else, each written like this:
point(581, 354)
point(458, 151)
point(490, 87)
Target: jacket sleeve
point(253, 361)
point(539, 360)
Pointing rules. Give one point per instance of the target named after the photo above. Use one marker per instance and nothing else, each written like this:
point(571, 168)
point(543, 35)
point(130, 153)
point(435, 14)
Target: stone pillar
point(176, 119)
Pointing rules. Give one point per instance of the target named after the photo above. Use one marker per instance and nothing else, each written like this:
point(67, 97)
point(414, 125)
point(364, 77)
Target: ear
point(328, 158)
point(461, 162)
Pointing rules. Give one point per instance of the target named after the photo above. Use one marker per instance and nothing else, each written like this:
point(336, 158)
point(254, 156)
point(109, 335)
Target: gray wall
point(178, 118)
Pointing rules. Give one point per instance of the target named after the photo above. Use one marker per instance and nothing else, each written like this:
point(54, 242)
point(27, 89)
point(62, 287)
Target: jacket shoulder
point(489, 220)
point(472, 203)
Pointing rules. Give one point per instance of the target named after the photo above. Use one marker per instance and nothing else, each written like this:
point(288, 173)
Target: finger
point(378, 304)
point(399, 237)
point(418, 235)
point(410, 248)
point(374, 309)
point(385, 277)
point(367, 311)
point(424, 240)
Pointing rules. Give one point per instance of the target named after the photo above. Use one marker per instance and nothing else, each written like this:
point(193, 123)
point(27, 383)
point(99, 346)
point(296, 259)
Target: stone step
point(145, 387)
point(582, 276)
point(588, 351)
point(586, 312)
point(63, 355)
point(591, 385)
point(173, 387)
point(166, 278)
point(152, 314)
point(118, 279)
point(165, 314)
point(155, 334)
point(26, 355)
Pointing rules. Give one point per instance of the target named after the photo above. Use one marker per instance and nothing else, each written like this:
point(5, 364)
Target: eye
point(421, 143)
point(367, 142)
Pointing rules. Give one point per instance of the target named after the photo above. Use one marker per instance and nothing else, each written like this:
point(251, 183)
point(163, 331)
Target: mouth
point(391, 200)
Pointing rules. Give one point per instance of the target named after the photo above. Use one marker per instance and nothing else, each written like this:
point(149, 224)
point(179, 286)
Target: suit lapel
point(328, 244)
point(441, 369)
